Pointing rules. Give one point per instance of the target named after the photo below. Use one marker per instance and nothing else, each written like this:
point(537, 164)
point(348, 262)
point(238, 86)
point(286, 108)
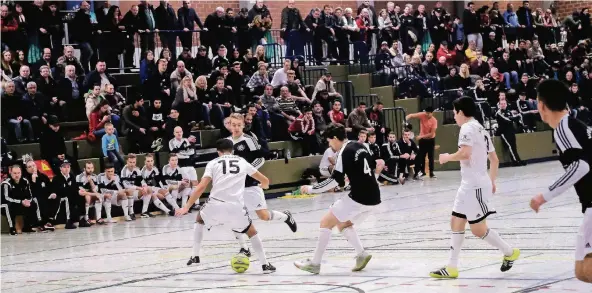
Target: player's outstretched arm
point(336, 179)
point(199, 190)
point(263, 180)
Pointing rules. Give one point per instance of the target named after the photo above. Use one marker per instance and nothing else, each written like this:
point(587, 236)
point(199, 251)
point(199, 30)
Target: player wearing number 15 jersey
point(354, 161)
point(476, 188)
point(226, 204)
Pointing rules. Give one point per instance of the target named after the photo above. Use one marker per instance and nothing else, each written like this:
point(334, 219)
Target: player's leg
point(147, 196)
point(490, 236)
point(157, 197)
point(171, 197)
point(583, 266)
point(108, 201)
point(259, 251)
point(84, 220)
point(198, 229)
point(378, 170)
point(123, 202)
point(314, 265)
point(362, 257)
point(132, 196)
point(184, 193)
point(98, 204)
point(458, 222)
point(255, 201)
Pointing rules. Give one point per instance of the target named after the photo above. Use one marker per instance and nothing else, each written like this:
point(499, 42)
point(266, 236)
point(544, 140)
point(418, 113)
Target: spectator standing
point(82, 32)
point(292, 26)
point(9, 28)
point(134, 116)
point(426, 141)
point(526, 21)
point(159, 84)
point(133, 25)
point(69, 89)
point(146, 12)
point(16, 194)
point(166, 20)
point(471, 25)
point(54, 26)
point(187, 18)
point(511, 20)
point(14, 114)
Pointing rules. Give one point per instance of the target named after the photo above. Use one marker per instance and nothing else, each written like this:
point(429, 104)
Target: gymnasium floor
point(408, 237)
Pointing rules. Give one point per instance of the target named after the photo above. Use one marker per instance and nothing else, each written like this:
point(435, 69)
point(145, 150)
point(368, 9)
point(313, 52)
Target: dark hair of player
point(371, 133)
point(553, 94)
point(109, 166)
point(466, 105)
point(224, 145)
point(335, 130)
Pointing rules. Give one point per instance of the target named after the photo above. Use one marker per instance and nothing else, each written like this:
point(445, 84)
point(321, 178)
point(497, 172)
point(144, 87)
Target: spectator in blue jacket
point(147, 66)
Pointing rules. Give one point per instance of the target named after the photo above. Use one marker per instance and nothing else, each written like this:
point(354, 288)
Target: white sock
point(241, 240)
point(185, 196)
point(197, 238)
point(172, 201)
point(324, 237)
point(86, 208)
point(124, 206)
point(130, 205)
point(496, 241)
point(107, 205)
point(277, 216)
point(98, 209)
point(258, 248)
point(456, 242)
point(376, 175)
point(145, 203)
point(175, 194)
point(352, 237)
point(160, 205)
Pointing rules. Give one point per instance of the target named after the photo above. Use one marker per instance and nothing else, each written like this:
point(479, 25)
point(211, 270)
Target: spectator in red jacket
point(444, 52)
point(303, 128)
point(8, 26)
point(98, 117)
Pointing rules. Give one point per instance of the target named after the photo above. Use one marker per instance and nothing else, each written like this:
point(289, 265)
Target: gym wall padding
point(385, 95)
point(361, 83)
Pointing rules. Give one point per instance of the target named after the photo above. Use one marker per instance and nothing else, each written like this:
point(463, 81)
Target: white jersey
point(474, 170)
point(329, 153)
point(228, 175)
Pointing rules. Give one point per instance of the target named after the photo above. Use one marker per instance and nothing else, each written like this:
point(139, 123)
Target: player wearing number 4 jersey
point(472, 199)
point(247, 147)
point(354, 161)
point(226, 204)
point(574, 141)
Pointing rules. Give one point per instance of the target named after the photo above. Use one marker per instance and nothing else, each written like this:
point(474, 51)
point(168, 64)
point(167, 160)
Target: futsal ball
point(239, 263)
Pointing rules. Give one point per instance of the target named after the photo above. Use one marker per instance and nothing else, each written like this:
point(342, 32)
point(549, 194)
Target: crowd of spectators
point(497, 58)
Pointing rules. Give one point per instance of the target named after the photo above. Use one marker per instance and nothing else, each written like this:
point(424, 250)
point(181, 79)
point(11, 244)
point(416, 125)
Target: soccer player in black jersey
point(354, 161)
point(247, 147)
point(574, 141)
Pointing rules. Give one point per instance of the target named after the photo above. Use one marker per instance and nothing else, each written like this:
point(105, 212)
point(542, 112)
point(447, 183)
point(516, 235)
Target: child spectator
point(110, 146)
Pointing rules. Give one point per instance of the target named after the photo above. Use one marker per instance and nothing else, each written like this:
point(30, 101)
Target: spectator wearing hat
point(203, 63)
point(64, 185)
point(426, 140)
point(326, 83)
point(53, 145)
point(491, 47)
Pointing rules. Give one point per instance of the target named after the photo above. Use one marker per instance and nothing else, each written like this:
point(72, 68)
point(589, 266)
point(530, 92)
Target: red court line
point(486, 286)
point(263, 281)
point(381, 283)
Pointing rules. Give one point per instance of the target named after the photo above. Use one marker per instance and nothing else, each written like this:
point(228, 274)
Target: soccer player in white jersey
point(226, 202)
point(247, 147)
point(173, 181)
point(133, 182)
point(152, 178)
point(185, 150)
point(110, 187)
point(477, 187)
point(574, 142)
point(355, 162)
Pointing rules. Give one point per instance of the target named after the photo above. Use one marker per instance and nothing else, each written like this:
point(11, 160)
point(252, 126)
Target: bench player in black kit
point(354, 161)
point(574, 141)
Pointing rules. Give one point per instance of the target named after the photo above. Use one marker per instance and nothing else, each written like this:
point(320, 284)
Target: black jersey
point(390, 151)
point(407, 148)
point(355, 162)
point(248, 148)
point(505, 120)
point(574, 141)
point(184, 150)
point(151, 177)
point(374, 150)
point(131, 178)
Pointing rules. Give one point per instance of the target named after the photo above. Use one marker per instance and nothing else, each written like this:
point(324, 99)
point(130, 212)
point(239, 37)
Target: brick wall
point(567, 7)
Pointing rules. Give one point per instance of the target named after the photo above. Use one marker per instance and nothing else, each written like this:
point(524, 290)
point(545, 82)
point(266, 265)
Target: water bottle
point(288, 156)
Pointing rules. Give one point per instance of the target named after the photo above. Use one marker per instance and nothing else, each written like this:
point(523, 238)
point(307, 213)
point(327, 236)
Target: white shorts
point(346, 209)
point(473, 204)
point(255, 198)
point(234, 215)
point(189, 173)
point(584, 238)
point(154, 189)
